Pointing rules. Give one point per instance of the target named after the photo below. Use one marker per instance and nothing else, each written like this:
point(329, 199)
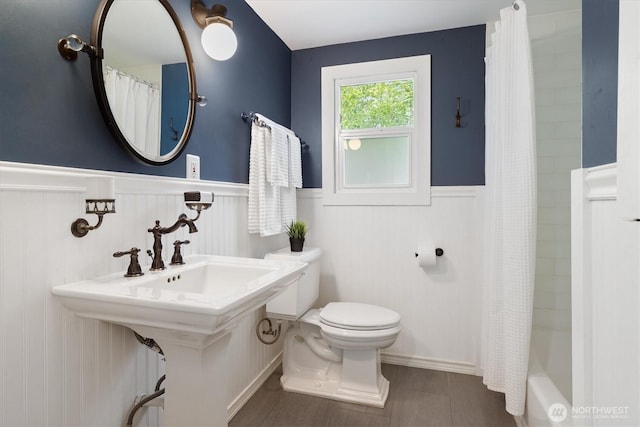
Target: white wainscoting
point(605, 299)
point(369, 256)
point(59, 370)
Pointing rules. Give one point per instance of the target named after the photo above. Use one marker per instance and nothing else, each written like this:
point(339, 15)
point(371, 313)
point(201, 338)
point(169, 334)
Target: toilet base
point(327, 365)
point(331, 389)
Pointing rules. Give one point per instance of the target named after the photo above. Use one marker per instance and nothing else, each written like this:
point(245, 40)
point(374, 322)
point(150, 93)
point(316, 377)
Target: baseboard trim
point(427, 363)
point(237, 404)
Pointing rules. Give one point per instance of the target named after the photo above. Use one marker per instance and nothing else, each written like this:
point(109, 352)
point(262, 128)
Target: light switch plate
point(193, 167)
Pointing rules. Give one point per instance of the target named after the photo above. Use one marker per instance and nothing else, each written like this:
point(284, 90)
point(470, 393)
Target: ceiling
point(303, 24)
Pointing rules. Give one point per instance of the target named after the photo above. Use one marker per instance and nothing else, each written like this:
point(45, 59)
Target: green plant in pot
point(296, 231)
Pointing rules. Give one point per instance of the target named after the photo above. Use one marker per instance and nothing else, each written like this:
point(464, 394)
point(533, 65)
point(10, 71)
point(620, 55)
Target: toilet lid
point(352, 315)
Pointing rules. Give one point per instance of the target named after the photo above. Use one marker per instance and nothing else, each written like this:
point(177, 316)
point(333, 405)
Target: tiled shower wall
point(60, 370)
point(557, 60)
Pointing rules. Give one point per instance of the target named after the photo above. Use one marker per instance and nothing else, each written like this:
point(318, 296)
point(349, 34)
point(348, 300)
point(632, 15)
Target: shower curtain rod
point(253, 117)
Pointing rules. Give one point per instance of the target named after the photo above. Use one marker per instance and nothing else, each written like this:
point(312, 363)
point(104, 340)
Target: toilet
point(334, 351)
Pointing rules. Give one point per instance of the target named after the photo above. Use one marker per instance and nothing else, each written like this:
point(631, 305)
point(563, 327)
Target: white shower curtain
point(510, 212)
point(136, 107)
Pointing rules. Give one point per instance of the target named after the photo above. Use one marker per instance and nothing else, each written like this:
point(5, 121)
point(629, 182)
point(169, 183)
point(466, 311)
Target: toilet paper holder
point(439, 252)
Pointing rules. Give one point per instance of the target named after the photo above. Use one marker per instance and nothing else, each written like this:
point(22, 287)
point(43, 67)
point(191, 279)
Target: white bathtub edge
point(542, 393)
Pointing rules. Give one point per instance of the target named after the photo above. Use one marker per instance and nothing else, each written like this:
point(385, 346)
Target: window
point(376, 132)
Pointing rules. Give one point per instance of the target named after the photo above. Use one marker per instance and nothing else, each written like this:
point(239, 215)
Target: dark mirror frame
point(101, 94)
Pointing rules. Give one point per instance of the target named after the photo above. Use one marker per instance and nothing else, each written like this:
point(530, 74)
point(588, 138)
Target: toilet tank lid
point(307, 255)
point(352, 315)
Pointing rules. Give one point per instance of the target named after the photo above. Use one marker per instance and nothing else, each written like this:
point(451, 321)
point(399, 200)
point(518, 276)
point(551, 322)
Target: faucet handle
point(134, 269)
point(176, 259)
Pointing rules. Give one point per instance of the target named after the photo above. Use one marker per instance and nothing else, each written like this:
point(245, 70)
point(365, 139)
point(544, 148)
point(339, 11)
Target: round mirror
point(144, 78)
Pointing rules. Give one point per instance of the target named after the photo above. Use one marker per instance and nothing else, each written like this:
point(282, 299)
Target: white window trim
point(419, 193)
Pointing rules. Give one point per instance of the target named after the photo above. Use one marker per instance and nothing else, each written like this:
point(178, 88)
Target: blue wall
point(50, 115)
point(599, 81)
point(457, 154)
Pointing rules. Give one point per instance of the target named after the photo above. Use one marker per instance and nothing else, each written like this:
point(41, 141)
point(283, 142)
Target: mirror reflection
point(146, 78)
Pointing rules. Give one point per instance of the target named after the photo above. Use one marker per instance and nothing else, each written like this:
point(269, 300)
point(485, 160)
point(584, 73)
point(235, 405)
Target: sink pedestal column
point(196, 383)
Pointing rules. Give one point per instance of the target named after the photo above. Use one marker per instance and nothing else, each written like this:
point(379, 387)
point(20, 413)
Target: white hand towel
point(295, 162)
point(264, 214)
point(288, 205)
point(278, 155)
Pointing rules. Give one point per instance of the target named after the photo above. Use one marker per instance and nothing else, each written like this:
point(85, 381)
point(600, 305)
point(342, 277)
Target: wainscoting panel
point(605, 299)
point(60, 370)
point(369, 257)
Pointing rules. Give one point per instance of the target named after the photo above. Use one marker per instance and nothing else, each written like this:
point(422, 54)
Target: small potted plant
point(296, 232)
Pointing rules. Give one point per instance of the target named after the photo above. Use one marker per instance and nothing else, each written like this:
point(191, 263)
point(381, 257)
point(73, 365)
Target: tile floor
point(417, 398)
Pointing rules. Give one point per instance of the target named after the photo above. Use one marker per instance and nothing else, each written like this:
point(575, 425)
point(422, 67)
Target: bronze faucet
point(158, 263)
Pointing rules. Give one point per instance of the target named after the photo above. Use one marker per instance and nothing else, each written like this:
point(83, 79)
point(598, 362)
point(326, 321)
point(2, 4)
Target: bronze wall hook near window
point(458, 116)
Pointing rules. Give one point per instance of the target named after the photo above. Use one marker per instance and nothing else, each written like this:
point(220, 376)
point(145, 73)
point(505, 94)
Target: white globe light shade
point(219, 41)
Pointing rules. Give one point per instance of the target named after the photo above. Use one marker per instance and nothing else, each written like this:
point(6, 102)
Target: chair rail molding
point(32, 177)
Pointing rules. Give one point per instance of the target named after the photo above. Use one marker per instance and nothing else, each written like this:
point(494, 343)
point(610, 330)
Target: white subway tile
point(570, 61)
point(569, 129)
point(543, 64)
point(545, 97)
point(545, 267)
point(545, 130)
point(563, 267)
point(569, 22)
point(540, 28)
point(546, 231)
point(558, 113)
point(567, 163)
point(569, 96)
point(557, 79)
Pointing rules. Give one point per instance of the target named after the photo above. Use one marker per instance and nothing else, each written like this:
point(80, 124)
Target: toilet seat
point(358, 317)
point(359, 339)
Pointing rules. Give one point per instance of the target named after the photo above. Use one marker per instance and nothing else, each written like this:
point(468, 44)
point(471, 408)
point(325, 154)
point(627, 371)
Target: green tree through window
point(379, 104)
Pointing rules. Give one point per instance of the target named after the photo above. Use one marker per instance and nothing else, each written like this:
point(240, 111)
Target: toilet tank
point(301, 295)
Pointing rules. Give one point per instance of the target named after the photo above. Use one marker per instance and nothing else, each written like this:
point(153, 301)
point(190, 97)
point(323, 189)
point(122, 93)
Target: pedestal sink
point(189, 311)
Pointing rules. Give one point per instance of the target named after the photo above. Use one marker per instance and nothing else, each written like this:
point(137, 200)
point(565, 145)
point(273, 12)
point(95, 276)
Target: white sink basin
point(190, 311)
point(201, 296)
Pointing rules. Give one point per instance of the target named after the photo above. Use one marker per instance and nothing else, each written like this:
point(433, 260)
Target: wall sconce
point(218, 39)
point(69, 47)
point(100, 201)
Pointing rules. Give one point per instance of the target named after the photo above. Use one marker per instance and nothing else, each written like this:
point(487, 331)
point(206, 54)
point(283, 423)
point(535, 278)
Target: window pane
point(378, 162)
point(379, 104)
